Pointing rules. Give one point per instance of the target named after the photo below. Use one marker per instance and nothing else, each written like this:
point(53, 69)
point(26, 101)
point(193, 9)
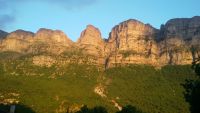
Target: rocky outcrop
point(132, 42)
point(45, 40)
point(179, 36)
point(92, 44)
point(177, 42)
point(42, 60)
point(17, 41)
point(91, 41)
point(3, 34)
point(185, 28)
point(174, 51)
point(50, 41)
point(52, 36)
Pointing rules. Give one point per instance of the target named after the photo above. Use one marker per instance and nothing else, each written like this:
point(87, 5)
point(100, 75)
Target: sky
point(72, 16)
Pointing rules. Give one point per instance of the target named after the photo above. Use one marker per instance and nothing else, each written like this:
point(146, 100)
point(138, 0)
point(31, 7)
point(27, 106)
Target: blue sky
point(72, 16)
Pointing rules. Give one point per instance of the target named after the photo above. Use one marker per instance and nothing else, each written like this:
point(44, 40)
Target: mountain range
point(130, 42)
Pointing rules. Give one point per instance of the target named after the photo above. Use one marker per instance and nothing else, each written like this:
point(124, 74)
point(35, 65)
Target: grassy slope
point(44, 94)
point(150, 90)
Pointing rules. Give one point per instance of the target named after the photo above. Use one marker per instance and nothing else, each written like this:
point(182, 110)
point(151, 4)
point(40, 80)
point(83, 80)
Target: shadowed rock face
point(186, 28)
point(178, 36)
point(3, 34)
point(174, 51)
point(130, 42)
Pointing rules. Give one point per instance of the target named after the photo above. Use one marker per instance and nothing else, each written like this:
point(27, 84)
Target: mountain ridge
point(129, 42)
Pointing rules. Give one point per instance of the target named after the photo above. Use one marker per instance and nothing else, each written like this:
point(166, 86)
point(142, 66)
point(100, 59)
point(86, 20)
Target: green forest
point(131, 88)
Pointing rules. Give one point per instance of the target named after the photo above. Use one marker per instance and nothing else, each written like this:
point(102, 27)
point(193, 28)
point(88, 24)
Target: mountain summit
point(91, 40)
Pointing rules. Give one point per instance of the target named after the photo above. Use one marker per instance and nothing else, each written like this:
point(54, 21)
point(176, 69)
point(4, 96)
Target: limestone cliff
point(17, 41)
point(174, 51)
point(185, 28)
point(51, 41)
point(52, 36)
point(132, 42)
point(3, 34)
point(179, 36)
point(91, 41)
point(92, 44)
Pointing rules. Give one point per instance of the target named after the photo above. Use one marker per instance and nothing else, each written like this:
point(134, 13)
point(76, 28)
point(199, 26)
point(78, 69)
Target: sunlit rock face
point(17, 41)
point(45, 40)
point(92, 44)
point(52, 36)
point(51, 41)
point(132, 42)
point(91, 41)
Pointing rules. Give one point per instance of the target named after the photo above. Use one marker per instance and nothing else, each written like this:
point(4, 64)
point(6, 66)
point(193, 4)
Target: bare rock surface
point(185, 28)
point(52, 36)
point(17, 41)
point(42, 60)
point(3, 34)
point(91, 41)
point(179, 37)
point(132, 42)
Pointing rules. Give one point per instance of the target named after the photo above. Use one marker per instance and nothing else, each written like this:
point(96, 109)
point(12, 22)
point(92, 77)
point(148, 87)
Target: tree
point(196, 66)
point(97, 109)
point(84, 109)
point(192, 87)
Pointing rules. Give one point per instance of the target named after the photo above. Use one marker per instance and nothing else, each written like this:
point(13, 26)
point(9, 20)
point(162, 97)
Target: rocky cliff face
point(52, 36)
point(45, 40)
point(50, 41)
point(174, 51)
point(17, 41)
point(91, 41)
point(185, 28)
point(130, 42)
point(3, 34)
point(179, 36)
